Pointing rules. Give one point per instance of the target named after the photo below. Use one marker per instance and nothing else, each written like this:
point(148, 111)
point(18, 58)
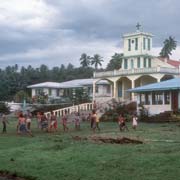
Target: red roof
point(170, 61)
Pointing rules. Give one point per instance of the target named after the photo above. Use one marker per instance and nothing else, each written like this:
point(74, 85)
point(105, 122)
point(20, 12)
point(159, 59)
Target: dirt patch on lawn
point(5, 175)
point(110, 140)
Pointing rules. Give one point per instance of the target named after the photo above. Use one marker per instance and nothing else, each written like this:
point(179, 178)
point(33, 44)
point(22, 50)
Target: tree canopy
point(85, 60)
point(96, 61)
point(115, 62)
point(169, 45)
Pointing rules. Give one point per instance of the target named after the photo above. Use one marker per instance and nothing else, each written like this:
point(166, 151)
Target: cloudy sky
point(55, 32)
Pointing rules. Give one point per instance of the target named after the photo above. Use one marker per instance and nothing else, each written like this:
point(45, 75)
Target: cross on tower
point(138, 26)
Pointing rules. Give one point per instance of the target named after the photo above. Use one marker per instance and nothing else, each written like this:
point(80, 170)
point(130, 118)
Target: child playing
point(64, 122)
point(121, 122)
point(95, 120)
point(4, 122)
point(22, 128)
point(53, 121)
point(77, 121)
point(28, 120)
point(44, 122)
point(134, 121)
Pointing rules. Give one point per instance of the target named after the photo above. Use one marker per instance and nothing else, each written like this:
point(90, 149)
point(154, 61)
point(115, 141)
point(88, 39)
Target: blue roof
point(172, 84)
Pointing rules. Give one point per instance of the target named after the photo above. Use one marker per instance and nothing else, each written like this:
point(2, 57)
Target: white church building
point(139, 67)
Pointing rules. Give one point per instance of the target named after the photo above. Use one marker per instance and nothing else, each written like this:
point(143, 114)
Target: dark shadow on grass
point(6, 175)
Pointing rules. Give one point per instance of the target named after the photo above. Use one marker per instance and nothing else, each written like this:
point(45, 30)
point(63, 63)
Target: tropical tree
point(115, 62)
point(84, 60)
point(169, 45)
point(96, 61)
point(20, 96)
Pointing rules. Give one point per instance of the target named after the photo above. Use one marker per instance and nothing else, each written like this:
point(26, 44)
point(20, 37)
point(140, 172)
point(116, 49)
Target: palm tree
point(169, 45)
point(96, 60)
point(84, 60)
point(115, 62)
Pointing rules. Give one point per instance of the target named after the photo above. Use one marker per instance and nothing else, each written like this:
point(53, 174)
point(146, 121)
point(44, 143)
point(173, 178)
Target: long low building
point(66, 89)
point(159, 97)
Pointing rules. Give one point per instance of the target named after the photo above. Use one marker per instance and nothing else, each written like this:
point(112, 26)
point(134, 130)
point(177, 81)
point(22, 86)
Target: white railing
point(71, 109)
point(137, 71)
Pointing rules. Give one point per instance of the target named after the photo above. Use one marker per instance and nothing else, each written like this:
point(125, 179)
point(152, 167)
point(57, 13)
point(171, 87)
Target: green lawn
point(56, 156)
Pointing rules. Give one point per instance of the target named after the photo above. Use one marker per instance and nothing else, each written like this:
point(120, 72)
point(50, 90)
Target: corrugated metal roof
point(172, 84)
point(67, 84)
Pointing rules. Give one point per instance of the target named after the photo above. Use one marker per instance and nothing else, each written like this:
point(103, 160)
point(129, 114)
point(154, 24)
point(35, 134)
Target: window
point(136, 43)
point(166, 98)
point(149, 44)
point(138, 62)
point(129, 44)
point(144, 43)
point(61, 92)
point(132, 63)
point(108, 89)
point(125, 63)
point(39, 91)
point(142, 99)
point(50, 92)
point(157, 98)
point(149, 62)
point(147, 98)
point(97, 89)
point(120, 89)
point(145, 62)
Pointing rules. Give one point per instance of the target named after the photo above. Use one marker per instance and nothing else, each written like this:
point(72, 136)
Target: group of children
point(49, 123)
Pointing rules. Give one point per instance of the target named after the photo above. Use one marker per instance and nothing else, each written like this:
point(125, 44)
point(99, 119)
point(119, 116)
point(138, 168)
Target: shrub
point(4, 108)
point(117, 108)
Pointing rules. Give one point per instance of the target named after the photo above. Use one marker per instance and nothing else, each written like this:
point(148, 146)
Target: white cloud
point(26, 14)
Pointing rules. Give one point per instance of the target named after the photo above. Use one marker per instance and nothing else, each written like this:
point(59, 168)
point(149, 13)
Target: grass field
point(56, 156)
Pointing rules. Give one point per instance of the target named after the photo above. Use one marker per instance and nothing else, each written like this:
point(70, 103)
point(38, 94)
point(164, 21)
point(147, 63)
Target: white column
point(94, 90)
point(132, 86)
point(115, 90)
point(111, 90)
point(163, 99)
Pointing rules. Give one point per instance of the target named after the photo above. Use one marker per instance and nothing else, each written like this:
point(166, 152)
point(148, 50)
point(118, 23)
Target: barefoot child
point(64, 122)
point(53, 122)
point(77, 121)
point(4, 122)
point(134, 121)
point(122, 124)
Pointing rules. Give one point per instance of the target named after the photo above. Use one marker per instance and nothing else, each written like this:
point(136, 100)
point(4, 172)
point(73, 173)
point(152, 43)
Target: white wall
point(156, 109)
point(141, 49)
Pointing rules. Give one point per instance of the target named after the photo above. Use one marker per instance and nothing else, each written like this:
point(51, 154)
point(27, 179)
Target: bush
point(4, 108)
point(117, 108)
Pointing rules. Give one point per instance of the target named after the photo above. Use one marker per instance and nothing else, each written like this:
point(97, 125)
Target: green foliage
point(85, 60)
point(144, 114)
point(20, 96)
point(115, 62)
point(169, 45)
point(96, 60)
point(4, 108)
point(117, 108)
point(80, 96)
